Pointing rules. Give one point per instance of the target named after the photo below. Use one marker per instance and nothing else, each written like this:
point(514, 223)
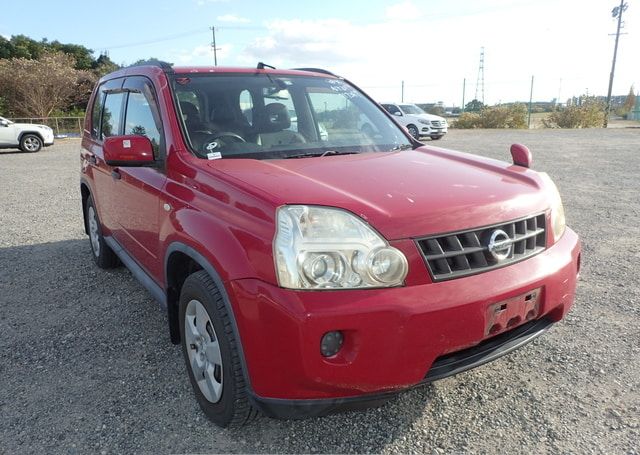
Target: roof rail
point(166, 66)
point(315, 70)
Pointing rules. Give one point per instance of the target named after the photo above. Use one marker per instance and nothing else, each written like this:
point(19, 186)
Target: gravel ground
point(86, 365)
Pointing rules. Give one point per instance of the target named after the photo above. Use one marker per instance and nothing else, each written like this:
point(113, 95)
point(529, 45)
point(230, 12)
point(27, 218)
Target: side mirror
point(521, 155)
point(397, 113)
point(127, 151)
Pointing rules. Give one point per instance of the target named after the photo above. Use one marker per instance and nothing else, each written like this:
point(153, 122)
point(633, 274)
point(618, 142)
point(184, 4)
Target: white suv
point(27, 137)
point(416, 121)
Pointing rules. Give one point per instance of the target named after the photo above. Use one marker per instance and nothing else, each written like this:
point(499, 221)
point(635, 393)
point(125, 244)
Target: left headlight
point(558, 221)
point(424, 122)
point(329, 248)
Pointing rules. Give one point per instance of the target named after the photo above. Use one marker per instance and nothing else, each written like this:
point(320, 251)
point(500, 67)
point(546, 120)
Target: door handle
point(116, 174)
point(92, 159)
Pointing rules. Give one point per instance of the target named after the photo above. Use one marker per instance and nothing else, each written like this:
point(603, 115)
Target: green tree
point(474, 106)
point(104, 65)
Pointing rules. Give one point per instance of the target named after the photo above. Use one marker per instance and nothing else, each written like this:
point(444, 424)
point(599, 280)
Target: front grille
point(459, 254)
point(437, 123)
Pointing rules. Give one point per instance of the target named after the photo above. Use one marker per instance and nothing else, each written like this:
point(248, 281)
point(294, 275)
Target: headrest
point(189, 109)
point(275, 118)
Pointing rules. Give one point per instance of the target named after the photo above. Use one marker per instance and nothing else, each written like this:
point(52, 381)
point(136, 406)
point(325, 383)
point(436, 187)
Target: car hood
point(30, 125)
point(430, 117)
point(402, 194)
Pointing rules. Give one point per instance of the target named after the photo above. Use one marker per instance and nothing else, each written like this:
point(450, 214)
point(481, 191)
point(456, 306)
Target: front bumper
point(394, 337)
point(426, 131)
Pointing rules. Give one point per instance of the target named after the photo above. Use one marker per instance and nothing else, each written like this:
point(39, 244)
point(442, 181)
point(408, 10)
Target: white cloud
point(233, 18)
point(434, 54)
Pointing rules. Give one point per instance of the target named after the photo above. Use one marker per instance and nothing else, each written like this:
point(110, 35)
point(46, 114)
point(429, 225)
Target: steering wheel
point(229, 134)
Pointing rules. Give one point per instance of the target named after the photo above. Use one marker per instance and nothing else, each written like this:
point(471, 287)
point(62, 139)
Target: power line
point(153, 41)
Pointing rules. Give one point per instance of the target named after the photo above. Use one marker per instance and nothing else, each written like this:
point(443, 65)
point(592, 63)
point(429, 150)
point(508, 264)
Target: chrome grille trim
point(463, 253)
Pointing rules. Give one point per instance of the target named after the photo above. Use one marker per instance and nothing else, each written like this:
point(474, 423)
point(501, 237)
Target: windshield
point(411, 109)
point(271, 116)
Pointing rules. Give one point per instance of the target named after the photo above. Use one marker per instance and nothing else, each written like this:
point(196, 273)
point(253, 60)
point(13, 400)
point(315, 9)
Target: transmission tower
point(480, 79)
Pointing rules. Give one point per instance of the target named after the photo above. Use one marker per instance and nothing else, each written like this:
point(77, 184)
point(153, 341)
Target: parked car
point(314, 270)
point(418, 122)
point(27, 137)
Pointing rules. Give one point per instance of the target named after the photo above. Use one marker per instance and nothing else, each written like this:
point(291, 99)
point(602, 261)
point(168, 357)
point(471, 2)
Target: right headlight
point(558, 221)
point(328, 248)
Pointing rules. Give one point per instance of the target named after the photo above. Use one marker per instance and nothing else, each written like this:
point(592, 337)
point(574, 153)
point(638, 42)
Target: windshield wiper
point(401, 147)
point(320, 154)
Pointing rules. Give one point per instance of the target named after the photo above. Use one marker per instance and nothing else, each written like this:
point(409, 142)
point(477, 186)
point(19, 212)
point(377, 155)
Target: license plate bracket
point(510, 313)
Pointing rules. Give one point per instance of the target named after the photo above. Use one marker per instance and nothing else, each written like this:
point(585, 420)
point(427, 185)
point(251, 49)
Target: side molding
point(137, 271)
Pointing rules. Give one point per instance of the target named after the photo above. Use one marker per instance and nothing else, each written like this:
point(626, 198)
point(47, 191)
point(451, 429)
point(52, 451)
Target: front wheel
point(211, 353)
point(413, 131)
point(30, 143)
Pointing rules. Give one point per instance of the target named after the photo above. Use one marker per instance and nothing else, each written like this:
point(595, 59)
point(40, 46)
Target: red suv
point(311, 255)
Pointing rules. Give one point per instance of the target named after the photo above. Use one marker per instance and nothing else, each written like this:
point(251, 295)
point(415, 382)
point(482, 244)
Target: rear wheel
point(103, 255)
point(211, 353)
point(30, 143)
point(413, 131)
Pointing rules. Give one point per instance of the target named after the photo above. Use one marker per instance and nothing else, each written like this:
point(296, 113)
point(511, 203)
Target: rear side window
point(140, 120)
point(111, 114)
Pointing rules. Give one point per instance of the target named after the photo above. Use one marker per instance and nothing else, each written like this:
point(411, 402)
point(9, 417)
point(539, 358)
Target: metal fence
point(65, 126)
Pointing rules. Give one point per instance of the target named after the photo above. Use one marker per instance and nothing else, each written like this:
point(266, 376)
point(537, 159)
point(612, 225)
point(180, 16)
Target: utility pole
point(530, 103)
point(213, 46)
point(615, 13)
point(402, 93)
point(464, 89)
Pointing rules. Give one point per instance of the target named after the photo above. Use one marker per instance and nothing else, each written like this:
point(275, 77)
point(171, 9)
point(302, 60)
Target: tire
point(30, 143)
point(413, 131)
point(211, 353)
point(436, 138)
point(102, 254)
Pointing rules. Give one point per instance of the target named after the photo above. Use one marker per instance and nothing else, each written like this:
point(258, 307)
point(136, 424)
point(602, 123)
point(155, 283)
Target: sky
point(431, 45)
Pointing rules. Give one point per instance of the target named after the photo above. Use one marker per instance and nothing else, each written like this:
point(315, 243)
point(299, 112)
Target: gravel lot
point(86, 365)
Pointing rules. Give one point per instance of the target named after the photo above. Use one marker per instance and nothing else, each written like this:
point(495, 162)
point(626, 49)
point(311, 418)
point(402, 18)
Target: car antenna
point(262, 66)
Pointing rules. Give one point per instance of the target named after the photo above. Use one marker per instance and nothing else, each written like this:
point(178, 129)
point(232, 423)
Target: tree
point(474, 106)
point(35, 88)
point(21, 46)
point(628, 104)
point(104, 65)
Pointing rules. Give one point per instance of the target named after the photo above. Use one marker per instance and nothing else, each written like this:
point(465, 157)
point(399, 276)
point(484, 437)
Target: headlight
point(425, 122)
point(558, 221)
point(328, 248)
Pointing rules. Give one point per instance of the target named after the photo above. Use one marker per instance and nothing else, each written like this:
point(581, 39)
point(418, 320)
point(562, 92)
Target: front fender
point(233, 241)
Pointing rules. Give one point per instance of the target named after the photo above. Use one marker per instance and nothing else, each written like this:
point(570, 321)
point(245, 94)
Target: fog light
point(331, 343)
